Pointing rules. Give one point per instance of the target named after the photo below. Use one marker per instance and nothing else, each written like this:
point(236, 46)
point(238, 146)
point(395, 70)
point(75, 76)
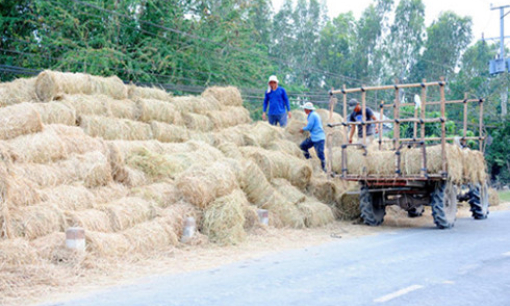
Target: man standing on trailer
point(317, 136)
point(278, 102)
point(356, 116)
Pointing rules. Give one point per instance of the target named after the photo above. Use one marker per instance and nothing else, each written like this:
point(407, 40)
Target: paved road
point(467, 265)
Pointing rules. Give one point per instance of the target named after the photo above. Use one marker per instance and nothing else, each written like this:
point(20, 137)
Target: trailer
point(409, 191)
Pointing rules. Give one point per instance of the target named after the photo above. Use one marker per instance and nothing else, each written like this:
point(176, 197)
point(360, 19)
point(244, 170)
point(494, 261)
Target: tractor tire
point(444, 204)
point(479, 201)
point(415, 211)
point(372, 207)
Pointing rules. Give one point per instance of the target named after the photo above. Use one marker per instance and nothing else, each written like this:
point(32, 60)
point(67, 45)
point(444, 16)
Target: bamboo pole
point(415, 130)
point(465, 117)
point(446, 102)
point(439, 138)
point(346, 128)
point(396, 129)
point(364, 116)
point(480, 132)
point(332, 102)
point(381, 117)
point(443, 126)
point(386, 87)
point(422, 127)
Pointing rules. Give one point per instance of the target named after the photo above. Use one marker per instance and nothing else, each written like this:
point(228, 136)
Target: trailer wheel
point(415, 211)
point(444, 204)
point(372, 207)
point(479, 201)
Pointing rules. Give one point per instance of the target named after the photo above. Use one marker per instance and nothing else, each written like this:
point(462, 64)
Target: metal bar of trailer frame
point(386, 87)
point(446, 102)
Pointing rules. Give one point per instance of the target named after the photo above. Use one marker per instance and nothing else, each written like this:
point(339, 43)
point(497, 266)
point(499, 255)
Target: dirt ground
point(260, 242)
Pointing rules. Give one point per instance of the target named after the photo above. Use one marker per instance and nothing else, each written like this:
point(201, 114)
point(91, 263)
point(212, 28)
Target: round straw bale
point(264, 133)
point(229, 149)
point(20, 190)
point(155, 110)
point(316, 213)
point(127, 212)
point(75, 140)
point(90, 220)
point(208, 138)
point(286, 212)
point(16, 252)
point(251, 217)
point(348, 204)
point(139, 92)
point(125, 109)
point(43, 147)
point(175, 215)
point(195, 104)
point(493, 197)
point(223, 220)
point(298, 115)
point(107, 244)
point(337, 137)
point(69, 197)
point(288, 191)
point(240, 135)
point(229, 116)
point(323, 189)
point(381, 163)
point(51, 85)
point(473, 166)
point(201, 184)
point(413, 161)
point(48, 247)
point(169, 132)
point(148, 237)
point(287, 147)
point(254, 183)
point(227, 96)
point(93, 168)
point(86, 105)
point(36, 221)
point(56, 113)
point(113, 128)
point(19, 119)
point(324, 114)
point(17, 91)
point(164, 193)
point(356, 161)
point(159, 166)
point(110, 192)
point(198, 122)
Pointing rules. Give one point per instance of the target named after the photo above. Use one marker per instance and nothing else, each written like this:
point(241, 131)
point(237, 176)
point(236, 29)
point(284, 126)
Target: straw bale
point(51, 85)
point(175, 215)
point(164, 193)
point(324, 114)
point(255, 184)
point(227, 96)
point(155, 110)
point(348, 204)
point(473, 166)
point(229, 149)
point(20, 190)
point(195, 104)
point(86, 105)
point(17, 252)
point(240, 135)
point(223, 220)
point(107, 244)
point(150, 236)
point(169, 132)
point(298, 115)
point(316, 213)
point(90, 220)
point(198, 122)
point(264, 133)
point(75, 140)
point(251, 217)
point(413, 161)
point(43, 147)
point(356, 161)
point(158, 166)
point(129, 211)
point(286, 212)
point(288, 191)
point(18, 91)
point(125, 109)
point(323, 189)
point(208, 138)
point(69, 197)
point(113, 128)
point(292, 131)
point(337, 137)
point(154, 93)
point(36, 221)
point(202, 183)
point(494, 199)
point(110, 192)
point(287, 147)
point(19, 119)
point(229, 116)
point(49, 247)
point(56, 113)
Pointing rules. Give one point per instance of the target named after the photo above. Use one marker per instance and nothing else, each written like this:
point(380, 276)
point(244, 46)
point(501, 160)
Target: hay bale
point(223, 220)
point(316, 213)
point(159, 166)
point(240, 135)
point(18, 91)
point(208, 138)
point(112, 128)
point(195, 104)
point(357, 163)
point(110, 192)
point(17, 252)
point(75, 140)
point(50, 247)
point(229, 116)
point(229, 149)
point(86, 105)
point(90, 220)
point(125, 109)
point(227, 96)
point(288, 191)
point(413, 161)
point(50, 85)
point(263, 133)
point(347, 204)
point(474, 168)
point(169, 132)
point(20, 191)
point(494, 199)
point(284, 212)
point(107, 244)
point(56, 113)
point(138, 92)
point(164, 193)
point(251, 217)
point(43, 147)
point(155, 110)
point(19, 119)
point(148, 237)
point(175, 215)
point(127, 212)
point(36, 221)
point(298, 115)
point(198, 122)
point(287, 147)
point(202, 183)
point(323, 189)
point(292, 131)
point(69, 197)
point(255, 184)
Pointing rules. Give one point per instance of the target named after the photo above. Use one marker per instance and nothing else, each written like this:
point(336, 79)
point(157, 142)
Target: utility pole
point(499, 65)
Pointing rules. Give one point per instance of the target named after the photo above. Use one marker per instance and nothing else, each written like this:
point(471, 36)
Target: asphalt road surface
point(466, 265)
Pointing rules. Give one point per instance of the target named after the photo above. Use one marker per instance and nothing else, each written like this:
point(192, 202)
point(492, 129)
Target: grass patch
point(504, 196)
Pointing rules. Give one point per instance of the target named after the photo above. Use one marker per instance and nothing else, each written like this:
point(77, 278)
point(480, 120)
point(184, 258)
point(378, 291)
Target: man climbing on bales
point(278, 102)
point(356, 116)
point(317, 136)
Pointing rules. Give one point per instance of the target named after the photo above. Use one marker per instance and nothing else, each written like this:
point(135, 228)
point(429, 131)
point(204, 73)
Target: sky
point(485, 20)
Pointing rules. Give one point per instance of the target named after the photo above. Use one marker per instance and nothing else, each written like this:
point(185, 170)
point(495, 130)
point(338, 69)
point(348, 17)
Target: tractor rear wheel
point(372, 207)
point(479, 201)
point(444, 204)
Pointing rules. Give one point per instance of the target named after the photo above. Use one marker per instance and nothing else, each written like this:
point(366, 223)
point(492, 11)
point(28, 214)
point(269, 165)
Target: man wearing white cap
point(278, 102)
point(317, 136)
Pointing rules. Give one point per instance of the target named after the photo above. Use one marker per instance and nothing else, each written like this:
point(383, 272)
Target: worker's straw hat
point(273, 78)
point(308, 106)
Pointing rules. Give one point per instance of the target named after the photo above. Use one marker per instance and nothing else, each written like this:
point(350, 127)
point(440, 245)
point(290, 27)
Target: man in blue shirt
point(317, 136)
point(278, 102)
point(357, 115)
